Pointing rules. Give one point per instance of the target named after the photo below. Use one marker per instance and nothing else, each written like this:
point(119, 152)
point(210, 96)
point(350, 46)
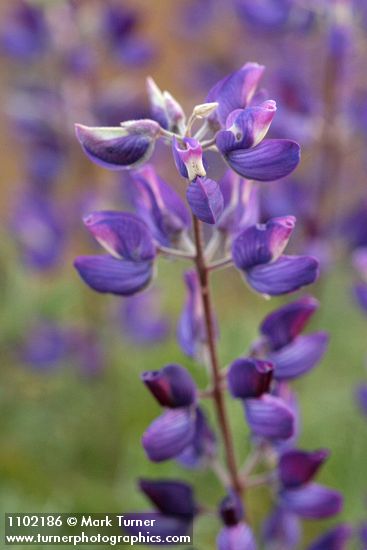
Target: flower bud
point(175, 113)
point(172, 498)
point(119, 148)
point(189, 159)
point(172, 386)
point(205, 109)
point(231, 509)
point(297, 467)
point(249, 377)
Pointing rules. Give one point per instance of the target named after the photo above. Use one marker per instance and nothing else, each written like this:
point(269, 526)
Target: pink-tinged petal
point(235, 90)
point(281, 530)
point(282, 326)
point(236, 537)
point(300, 356)
point(169, 434)
point(269, 417)
point(172, 386)
point(262, 243)
point(205, 199)
point(122, 234)
point(313, 501)
point(170, 497)
point(188, 157)
point(108, 275)
point(271, 160)
point(287, 274)
point(297, 467)
point(335, 538)
point(246, 128)
point(249, 377)
point(119, 148)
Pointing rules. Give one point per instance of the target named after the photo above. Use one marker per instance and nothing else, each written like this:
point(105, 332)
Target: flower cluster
point(233, 123)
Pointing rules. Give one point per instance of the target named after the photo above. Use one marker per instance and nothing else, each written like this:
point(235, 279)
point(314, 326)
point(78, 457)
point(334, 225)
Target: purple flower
point(241, 205)
point(182, 425)
point(281, 530)
point(119, 25)
point(169, 434)
point(160, 206)
point(122, 234)
point(363, 534)
point(269, 417)
point(246, 128)
point(235, 537)
point(274, 15)
point(262, 243)
point(24, 33)
point(121, 148)
point(235, 534)
point(205, 199)
point(297, 467)
point(31, 110)
point(297, 117)
point(283, 391)
point(141, 319)
point(257, 251)
point(334, 539)
point(46, 346)
point(172, 386)
point(172, 498)
point(106, 274)
point(165, 109)
point(235, 91)
point(244, 149)
point(174, 502)
point(203, 446)
point(249, 377)
point(231, 509)
point(312, 501)
point(188, 158)
point(191, 330)
point(292, 354)
point(38, 231)
point(88, 353)
point(129, 267)
point(284, 324)
point(299, 357)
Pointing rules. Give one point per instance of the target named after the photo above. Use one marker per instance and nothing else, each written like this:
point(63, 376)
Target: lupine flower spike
point(232, 122)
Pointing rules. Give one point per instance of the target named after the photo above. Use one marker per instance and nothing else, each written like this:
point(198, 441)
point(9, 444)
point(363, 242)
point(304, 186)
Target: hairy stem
point(218, 396)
